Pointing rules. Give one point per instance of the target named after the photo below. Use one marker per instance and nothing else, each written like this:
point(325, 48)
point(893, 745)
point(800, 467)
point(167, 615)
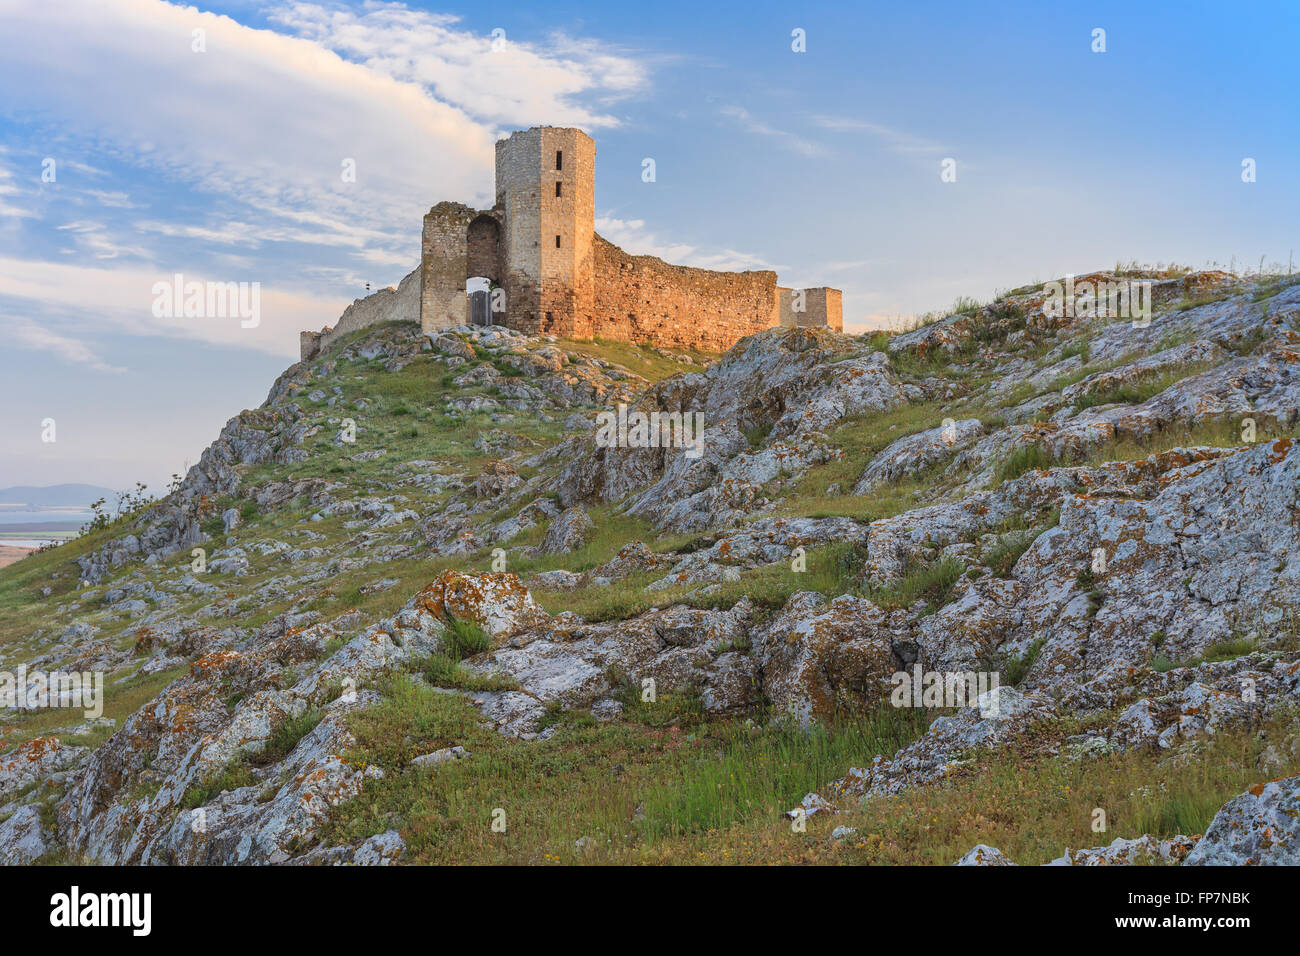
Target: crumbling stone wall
point(387, 305)
point(642, 298)
point(444, 264)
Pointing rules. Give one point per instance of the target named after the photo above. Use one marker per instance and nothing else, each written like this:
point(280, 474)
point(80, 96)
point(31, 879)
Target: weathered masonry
point(534, 262)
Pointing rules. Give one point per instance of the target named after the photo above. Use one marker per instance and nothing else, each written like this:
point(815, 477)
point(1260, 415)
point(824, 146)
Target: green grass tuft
point(931, 582)
point(1017, 669)
point(1021, 460)
point(464, 639)
point(285, 737)
point(1002, 556)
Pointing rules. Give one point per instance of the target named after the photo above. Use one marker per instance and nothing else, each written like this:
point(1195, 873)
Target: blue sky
point(825, 165)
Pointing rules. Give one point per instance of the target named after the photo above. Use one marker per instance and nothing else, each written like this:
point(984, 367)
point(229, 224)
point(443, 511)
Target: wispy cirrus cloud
point(787, 139)
point(9, 188)
point(897, 141)
point(95, 239)
point(26, 334)
point(112, 199)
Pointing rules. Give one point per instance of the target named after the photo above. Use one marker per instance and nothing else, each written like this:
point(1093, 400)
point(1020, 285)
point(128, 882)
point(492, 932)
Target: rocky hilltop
point(412, 610)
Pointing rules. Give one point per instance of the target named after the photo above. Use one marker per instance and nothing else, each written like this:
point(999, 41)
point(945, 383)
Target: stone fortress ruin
point(534, 263)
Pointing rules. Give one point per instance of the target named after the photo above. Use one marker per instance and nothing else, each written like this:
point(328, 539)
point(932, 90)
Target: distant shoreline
point(10, 553)
point(19, 539)
point(40, 529)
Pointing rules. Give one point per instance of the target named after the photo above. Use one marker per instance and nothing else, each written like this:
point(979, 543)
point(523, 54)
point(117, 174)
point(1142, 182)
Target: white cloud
point(121, 299)
point(260, 118)
point(14, 212)
point(852, 265)
point(496, 80)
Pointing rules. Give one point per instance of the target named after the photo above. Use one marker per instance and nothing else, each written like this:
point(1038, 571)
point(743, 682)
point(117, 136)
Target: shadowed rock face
point(792, 383)
point(1126, 543)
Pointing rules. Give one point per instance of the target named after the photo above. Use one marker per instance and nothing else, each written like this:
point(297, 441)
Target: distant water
point(69, 517)
point(28, 528)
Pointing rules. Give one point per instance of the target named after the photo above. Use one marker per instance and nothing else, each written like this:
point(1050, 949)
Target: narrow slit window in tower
point(557, 242)
point(559, 190)
point(559, 159)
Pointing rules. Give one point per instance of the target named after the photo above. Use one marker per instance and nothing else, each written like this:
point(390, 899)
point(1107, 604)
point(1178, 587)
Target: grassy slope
point(664, 785)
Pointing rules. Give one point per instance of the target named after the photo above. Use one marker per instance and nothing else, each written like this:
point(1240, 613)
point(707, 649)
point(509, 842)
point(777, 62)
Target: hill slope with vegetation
point(410, 610)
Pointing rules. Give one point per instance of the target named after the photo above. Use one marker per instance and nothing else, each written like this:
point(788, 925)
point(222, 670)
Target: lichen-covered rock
point(1145, 850)
point(559, 580)
point(497, 602)
point(1211, 555)
point(33, 761)
point(966, 632)
point(445, 755)
point(656, 653)
point(1261, 827)
point(633, 558)
point(512, 713)
point(914, 453)
point(450, 344)
point(382, 849)
point(496, 479)
point(983, 855)
point(22, 837)
point(567, 532)
point(821, 657)
point(269, 821)
point(174, 747)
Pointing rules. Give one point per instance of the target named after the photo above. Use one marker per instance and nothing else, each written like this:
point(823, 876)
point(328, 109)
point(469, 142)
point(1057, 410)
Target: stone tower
point(545, 181)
